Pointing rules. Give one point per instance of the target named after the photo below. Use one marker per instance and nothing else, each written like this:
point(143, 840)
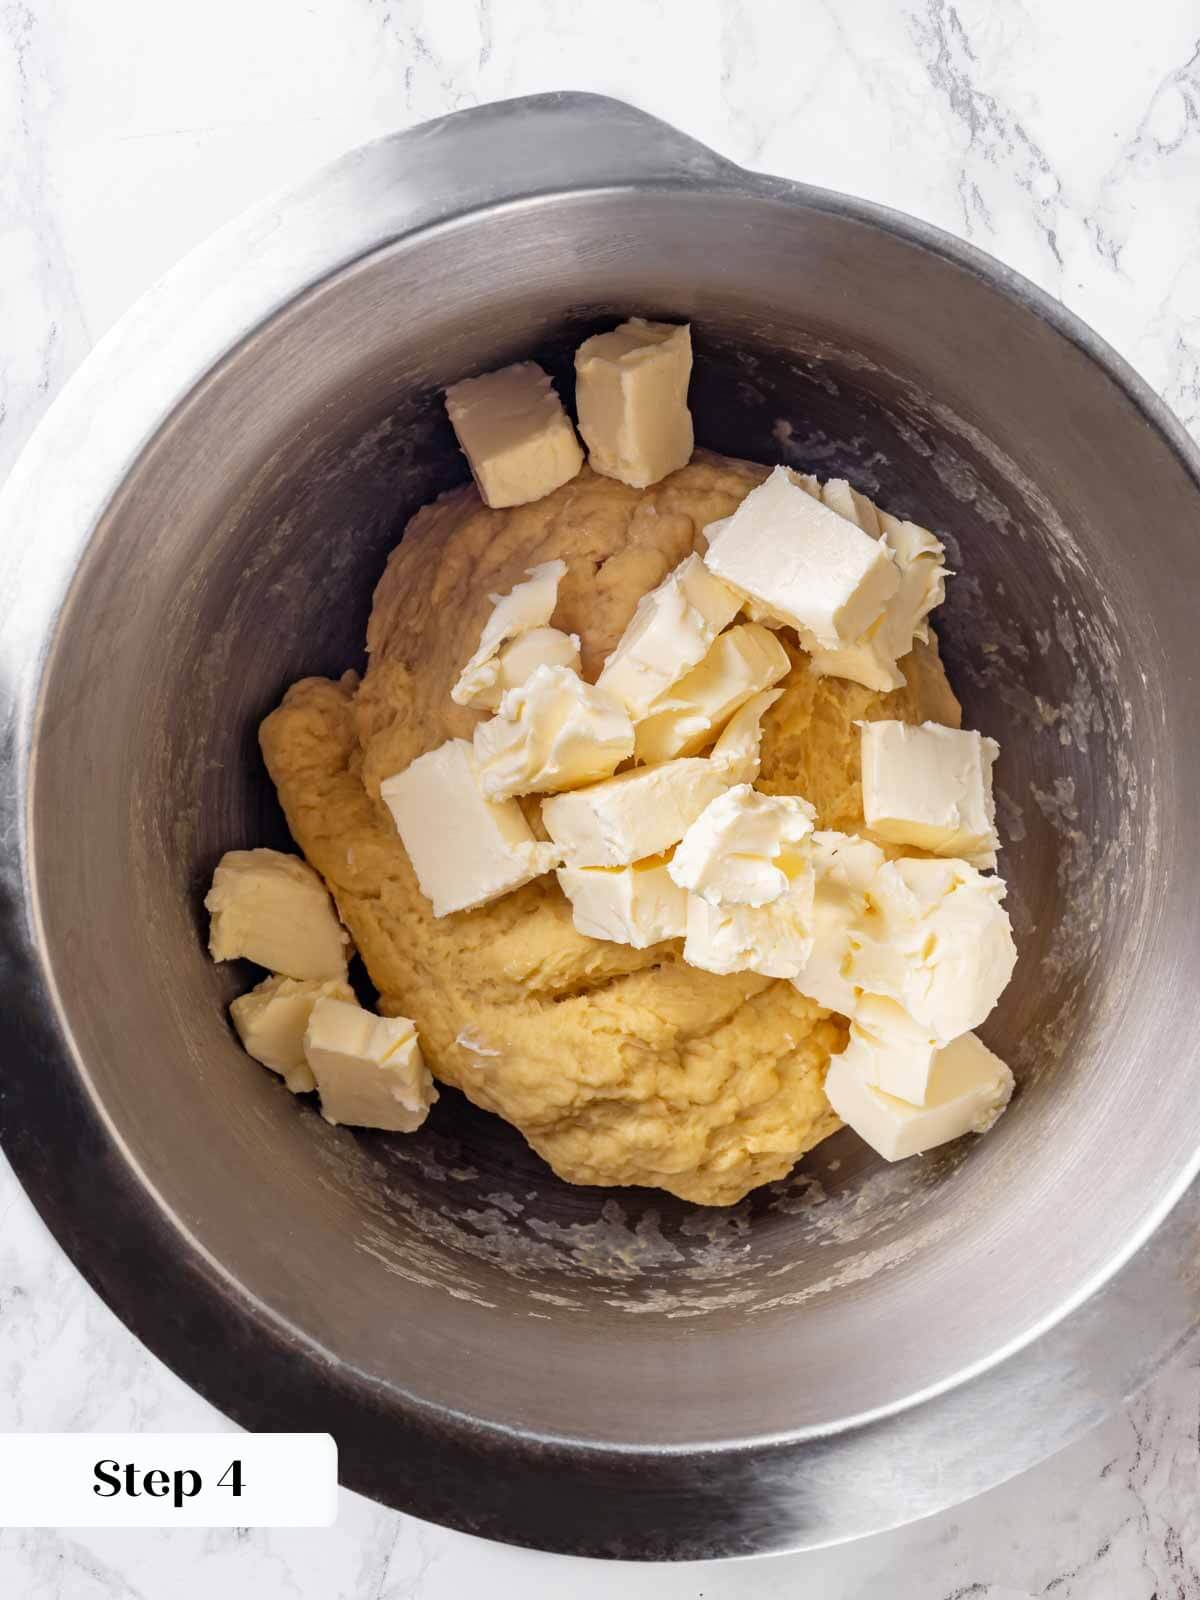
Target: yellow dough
point(619, 1066)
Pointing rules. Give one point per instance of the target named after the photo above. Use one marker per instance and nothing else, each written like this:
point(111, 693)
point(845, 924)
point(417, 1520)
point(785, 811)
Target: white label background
point(289, 1480)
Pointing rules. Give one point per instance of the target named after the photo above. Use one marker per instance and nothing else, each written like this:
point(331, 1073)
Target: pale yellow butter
point(890, 1050)
point(742, 848)
point(931, 786)
point(936, 939)
point(553, 732)
point(520, 658)
point(636, 814)
point(774, 940)
point(518, 440)
point(845, 867)
point(669, 633)
point(968, 1089)
point(465, 849)
point(368, 1070)
point(873, 659)
point(638, 905)
point(802, 563)
point(845, 499)
point(515, 637)
point(631, 390)
point(740, 663)
point(737, 753)
point(271, 1021)
point(273, 909)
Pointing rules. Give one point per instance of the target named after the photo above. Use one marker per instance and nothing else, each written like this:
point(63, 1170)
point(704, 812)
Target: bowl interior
point(451, 1269)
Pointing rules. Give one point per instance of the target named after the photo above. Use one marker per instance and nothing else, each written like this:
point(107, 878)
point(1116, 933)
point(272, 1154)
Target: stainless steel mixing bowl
point(201, 520)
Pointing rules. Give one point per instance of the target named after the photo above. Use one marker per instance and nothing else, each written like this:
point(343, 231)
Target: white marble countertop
point(1059, 137)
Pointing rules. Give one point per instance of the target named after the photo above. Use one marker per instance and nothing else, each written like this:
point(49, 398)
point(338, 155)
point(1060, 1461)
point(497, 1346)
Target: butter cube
point(523, 611)
point(465, 849)
point(273, 909)
point(867, 661)
point(520, 658)
point(638, 905)
point(891, 1051)
point(774, 940)
point(636, 814)
point(803, 563)
point(919, 555)
point(740, 663)
point(518, 440)
point(936, 939)
point(968, 1089)
point(631, 389)
point(747, 865)
point(670, 632)
point(369, 1070)
point(845, 868)
point(737, 753)
point(842, 497)
point(705, 536)
point(930, 786)
point(743, 848)
point(553, 732)
point(271, 1021)
point(873, 660)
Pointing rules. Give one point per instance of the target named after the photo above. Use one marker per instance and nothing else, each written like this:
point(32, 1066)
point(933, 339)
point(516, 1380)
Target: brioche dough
point(620, 1066)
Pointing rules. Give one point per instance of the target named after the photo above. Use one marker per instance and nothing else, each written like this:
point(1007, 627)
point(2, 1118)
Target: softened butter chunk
point(919, 555)
point(271, 1021)
point(554, 732)
point(968, 1089)
point(669, 633)
point(636, 814)
point(465, 849)
point(774, 940)
point(936, 939)
point(631, 389)
point(741, 849)
point(807, 566)
point(737, 753)
point(273, 909)
point(520, 658)
point(891, 1051)
point(931, 786)
point(741, 663)
point(842, 497)
point(369, 1070)
point(518, 440)
point(873, 660)
point(638, 905)
point(504, 645)
point(845, 868)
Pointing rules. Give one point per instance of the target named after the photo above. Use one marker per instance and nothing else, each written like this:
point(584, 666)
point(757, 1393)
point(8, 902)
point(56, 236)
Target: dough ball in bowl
point(620, 1066)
